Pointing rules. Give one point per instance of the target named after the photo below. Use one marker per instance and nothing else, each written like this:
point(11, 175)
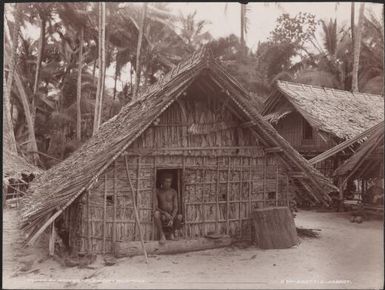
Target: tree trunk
point(93, 71)
point(357, 49)
point(79, 89)
point(20, 87)
point(243, 24)
point(9, 141)
point(7, 119)
point(352, 28)
point(138, 51)
point(102, 64)
point(116, 77)
point(38, 63)
point(274, 228)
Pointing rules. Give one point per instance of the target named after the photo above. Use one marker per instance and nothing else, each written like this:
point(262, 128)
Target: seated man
point(166, 209)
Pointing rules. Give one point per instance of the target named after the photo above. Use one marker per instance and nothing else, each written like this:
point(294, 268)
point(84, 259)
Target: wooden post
point(115, 200)
point(183, 203)
point(250, 192)
point(136, 211)
point(264, 180)
point(277, 185)
point(341, 196)
point(137, 190)
point(228, 199)
point(104, 212)
point(89, 247)
point(52, 240)
point(287, 190)
point(153, 200)
point(202, 197)
point(217, 200)
point(240, 197)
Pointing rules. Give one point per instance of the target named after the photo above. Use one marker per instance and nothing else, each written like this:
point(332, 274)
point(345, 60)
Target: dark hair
point(166, 176)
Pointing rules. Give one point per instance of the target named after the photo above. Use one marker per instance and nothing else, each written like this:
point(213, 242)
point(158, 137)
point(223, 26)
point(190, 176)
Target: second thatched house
point(314, 119)
point(196, 124)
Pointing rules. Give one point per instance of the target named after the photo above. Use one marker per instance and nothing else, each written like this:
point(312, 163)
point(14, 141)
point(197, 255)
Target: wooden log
point(133, 248)
point(274, 228)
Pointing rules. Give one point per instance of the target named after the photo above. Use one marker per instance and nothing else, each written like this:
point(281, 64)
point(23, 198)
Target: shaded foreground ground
point(347, 255)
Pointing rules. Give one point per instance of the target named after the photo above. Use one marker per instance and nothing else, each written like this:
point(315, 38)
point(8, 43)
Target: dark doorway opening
point(176, 183)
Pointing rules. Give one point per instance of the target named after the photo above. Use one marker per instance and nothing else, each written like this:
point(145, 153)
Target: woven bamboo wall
point(291, 128)
point(225, 174)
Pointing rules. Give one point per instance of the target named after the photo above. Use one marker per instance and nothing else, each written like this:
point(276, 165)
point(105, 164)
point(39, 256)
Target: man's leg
point(177, 225)
point(158, 223)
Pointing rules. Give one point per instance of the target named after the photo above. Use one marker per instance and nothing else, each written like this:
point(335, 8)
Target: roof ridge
point(329, 88)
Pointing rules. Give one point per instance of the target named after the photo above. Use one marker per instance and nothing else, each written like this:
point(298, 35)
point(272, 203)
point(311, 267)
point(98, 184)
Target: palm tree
point(371, 72)
point(138, 51)
point(11, 45)
point(102, 66)
point(352, 15)
point(8, 88)
point(79, 88)
point(43, 11)
point(357, 48)
point(244, 24)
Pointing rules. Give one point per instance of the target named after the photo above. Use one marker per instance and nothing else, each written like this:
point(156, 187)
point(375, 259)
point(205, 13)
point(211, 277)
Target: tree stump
point(274, 228)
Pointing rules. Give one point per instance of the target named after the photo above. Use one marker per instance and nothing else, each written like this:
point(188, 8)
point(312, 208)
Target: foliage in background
point(49, 77)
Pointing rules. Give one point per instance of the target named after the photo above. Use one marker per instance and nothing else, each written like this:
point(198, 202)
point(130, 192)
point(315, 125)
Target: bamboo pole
point(228, 198)
point(137, 189)
point(104, 212)
point(264, 180)
point(89, 247)
point(277, 185)
point(249, 193)
point(240, 197)
point(202, 196)
point(217, 199)
point(136, 211)
point(153, 200)
point(287, 190)
point(183, 185)
point(114, 206)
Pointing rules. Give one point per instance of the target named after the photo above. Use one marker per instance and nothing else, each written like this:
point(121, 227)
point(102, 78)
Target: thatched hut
point(198, 124)
point(367, 163)
point(17, 174)
point(314, 119)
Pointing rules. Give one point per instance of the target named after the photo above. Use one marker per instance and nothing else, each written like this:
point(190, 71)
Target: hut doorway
point(176, 175)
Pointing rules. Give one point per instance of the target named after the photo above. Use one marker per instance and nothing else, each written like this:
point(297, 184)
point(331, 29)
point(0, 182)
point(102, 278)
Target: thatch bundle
point(368, 160)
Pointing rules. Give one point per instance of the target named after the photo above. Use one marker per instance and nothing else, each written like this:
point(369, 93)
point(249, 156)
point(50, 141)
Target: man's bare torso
point(166, 199)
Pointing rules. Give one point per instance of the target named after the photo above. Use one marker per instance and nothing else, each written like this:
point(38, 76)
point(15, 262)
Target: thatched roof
point(14, 166)
point(368, 160)
point(349, 145)
point(62, 184)
point(342, 114)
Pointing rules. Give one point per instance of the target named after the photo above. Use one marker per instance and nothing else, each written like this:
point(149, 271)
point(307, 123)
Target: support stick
point(136, 211)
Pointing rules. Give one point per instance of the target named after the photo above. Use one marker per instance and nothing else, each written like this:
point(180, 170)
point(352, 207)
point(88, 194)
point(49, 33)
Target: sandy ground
point(346, 256)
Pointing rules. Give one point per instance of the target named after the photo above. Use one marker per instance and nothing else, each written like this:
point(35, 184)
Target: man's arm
point(175, 205)
point(156, 206)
